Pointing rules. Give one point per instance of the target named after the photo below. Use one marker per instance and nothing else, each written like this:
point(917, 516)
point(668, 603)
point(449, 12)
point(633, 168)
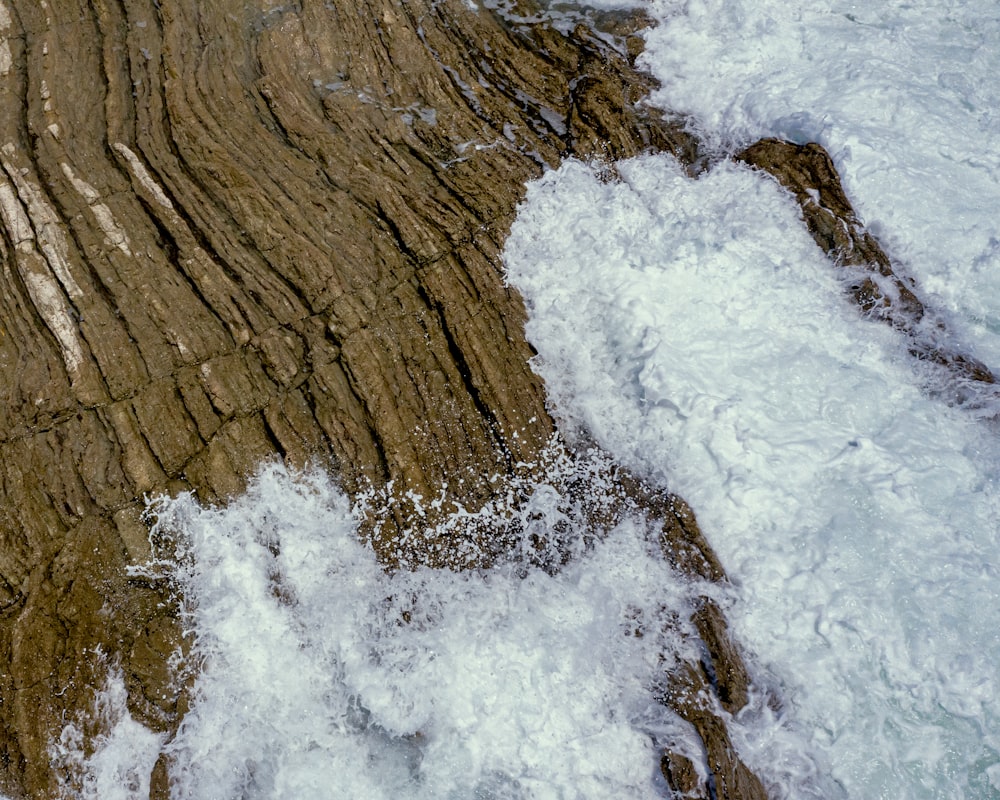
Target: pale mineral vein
point(105, 219)
point(43, 289)
point(47, 227)
point(6, 59)
point(142, 175)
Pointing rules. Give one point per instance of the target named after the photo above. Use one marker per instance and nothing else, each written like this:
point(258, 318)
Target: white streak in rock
point(142, 175)
point(115, 233)
point(44, 290)
point(15, 220)
point(46, 94)
point(6, 59)
point(90, 194)
point(105, 219)
point(48, 229)
point(51, 304)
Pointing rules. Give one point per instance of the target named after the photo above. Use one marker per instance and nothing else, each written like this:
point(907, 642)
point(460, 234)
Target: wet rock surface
point(879, 287)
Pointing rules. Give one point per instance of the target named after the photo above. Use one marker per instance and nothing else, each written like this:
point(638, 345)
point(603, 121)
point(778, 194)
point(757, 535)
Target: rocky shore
point(234, 232)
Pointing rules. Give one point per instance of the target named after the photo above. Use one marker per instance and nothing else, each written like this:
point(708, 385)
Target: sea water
point(905, 96)
point(694, 330)
point(320, 674)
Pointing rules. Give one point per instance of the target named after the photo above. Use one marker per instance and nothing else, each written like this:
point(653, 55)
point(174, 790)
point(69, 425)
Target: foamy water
point(697, 332)
point(694, 330)
point(320, 675)
point(903, 94)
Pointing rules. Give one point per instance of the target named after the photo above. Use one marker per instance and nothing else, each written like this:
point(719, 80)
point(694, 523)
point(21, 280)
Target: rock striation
point(238, 231)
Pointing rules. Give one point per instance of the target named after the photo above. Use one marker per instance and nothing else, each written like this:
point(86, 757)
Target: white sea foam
point(114, 764)
point(697, 332)
point(903, 94)
point(320, 675)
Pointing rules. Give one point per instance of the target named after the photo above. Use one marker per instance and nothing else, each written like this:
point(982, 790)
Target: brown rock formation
point(875, 283)
point(234, 231)
point(700, 692)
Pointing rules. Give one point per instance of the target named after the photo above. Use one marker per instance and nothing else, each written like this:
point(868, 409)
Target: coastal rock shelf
point(233, 232)
point(240, 231)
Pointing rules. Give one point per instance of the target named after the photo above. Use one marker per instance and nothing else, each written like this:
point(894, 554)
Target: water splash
point(320, 674)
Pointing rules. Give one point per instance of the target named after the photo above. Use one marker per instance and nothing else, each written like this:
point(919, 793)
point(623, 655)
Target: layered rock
point(242, 231)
